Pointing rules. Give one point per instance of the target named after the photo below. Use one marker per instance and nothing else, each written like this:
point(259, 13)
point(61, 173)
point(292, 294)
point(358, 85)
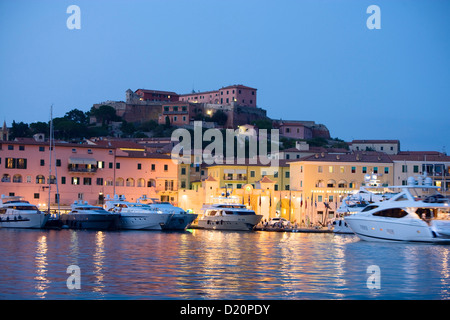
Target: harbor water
point(202, 264)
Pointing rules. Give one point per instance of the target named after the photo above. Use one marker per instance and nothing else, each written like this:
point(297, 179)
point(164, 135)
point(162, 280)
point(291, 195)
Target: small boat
point(15, 212)
point(228, 216)
point(138, 216)
point(85, 216)
point(418, 213)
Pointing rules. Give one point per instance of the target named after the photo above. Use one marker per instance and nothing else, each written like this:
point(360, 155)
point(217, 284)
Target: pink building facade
point(237, 94)
point(83, 172)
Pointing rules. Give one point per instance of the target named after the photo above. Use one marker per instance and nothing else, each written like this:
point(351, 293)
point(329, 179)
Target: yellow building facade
point(324, 180)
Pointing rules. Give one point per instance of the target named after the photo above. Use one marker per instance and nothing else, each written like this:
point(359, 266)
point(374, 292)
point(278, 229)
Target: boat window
point(425, 213)
point(24, 207)
point(212, 213)
point(245, 213)
point(229, 212)
point(2, 210)
point(368, 208)
point(391, 213)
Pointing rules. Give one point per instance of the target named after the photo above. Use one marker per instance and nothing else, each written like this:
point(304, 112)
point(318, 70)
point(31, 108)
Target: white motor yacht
point(86, 216)
point(418, 213)
point(180, 219)
point(228, 216)
point(138, 216)
point(15, 212)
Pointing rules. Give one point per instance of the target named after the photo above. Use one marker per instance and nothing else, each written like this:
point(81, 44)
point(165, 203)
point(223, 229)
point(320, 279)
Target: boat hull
point(390, 230)
point(239, 223)
point(341, 227)
point(91, 221)
point(144, 221)
point(24, 220)
point(180, 221)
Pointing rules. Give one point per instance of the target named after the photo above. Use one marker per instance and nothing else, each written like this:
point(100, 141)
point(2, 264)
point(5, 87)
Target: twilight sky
point(309, 59)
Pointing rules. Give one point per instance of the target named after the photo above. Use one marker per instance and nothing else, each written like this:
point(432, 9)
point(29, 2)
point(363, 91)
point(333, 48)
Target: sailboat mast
point(50, 157)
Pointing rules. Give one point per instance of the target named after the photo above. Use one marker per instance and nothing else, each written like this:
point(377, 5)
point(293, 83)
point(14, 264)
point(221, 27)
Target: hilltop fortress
point(236, 104)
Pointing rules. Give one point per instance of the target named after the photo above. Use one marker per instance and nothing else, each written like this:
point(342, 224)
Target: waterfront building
point(236, 175)
point(435, 165)
point(324, 179)
point(85, 172)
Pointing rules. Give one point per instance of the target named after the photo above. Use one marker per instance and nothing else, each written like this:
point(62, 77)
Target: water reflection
point(207, 264)
point(42, 282)
point(98, 258)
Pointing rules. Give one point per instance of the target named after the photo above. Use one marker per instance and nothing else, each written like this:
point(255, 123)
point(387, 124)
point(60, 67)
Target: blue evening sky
point(310, 60)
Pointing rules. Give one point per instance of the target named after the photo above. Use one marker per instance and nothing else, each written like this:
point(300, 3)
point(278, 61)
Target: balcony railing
point(235, 177)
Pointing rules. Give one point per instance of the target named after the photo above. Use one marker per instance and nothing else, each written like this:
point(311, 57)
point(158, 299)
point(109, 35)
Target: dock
point(303, 230)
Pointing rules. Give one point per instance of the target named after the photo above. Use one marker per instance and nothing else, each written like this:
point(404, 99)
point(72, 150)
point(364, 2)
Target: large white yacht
point(417, 213)
point(228, 216)
point(356, 201)
point(86, 216)
point(15, 212)
point(138, 216)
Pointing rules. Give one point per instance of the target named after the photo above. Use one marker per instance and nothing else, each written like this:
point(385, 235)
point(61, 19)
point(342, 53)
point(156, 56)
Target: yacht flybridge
point(417, 213)
point(372, 191)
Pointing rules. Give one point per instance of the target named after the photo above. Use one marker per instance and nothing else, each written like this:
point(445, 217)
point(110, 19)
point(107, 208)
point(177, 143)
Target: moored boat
point(228, 216)
point(138, 216)
point(15, 212)
point(85, 216)
point(418, 213)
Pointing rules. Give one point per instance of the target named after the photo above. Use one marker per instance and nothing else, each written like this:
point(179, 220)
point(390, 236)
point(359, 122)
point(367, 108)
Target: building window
point(183, 171)
point(42, 162)
point(166, 167)
point(63, 180)
point(139, 166)
point(58, 162)
point(110, 165)
point(87, 181)
point(40, 179)
point(416, 169)
point(404, 168)
point(252, 174)
point(75, 180)
point(10, 147)
point(118, 165)
point(319, 169)
point(153, 167)
point(364, 169)
point(41, 149)
point(286, 174)
point(36, 195)
point(386, 170)
point(375, 169)
point(21, 148)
